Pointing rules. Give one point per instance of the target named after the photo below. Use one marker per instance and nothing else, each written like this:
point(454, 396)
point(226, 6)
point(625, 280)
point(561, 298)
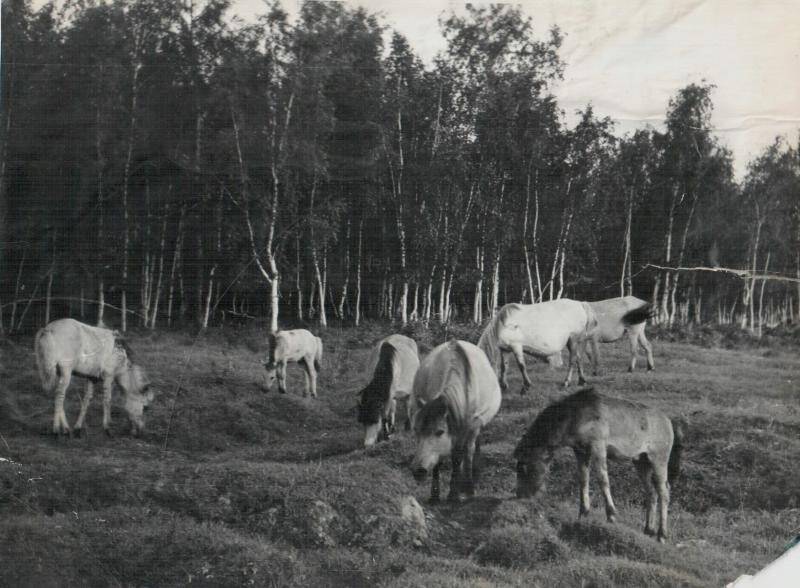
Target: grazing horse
point(455, 395)
point(615, 318)
point(394, 363)
point(596, 426)
point(541, 330)
point(299, 346)
point(66, 347)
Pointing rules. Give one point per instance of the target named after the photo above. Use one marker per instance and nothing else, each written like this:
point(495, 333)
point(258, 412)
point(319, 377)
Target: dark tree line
point(163, 163)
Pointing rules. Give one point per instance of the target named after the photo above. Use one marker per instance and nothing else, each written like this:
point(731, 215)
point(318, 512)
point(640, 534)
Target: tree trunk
point(358, 274)
point(477, 309)
point(161, 252)
point(217, 257)
point(761, 296)
point(346, 283)
point(17, 289)
point(625, 285)
point(175, 260)
point(137, 66)
point(495, 285)
point(663, 314)
point(298, 282)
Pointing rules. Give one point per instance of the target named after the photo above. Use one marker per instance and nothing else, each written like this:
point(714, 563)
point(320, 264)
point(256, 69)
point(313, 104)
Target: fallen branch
point(740, 273)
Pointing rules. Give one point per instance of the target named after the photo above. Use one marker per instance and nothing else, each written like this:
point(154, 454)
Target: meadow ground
point(232, 485)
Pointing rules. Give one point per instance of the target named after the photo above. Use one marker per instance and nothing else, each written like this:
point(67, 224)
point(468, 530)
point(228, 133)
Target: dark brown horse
point(596, 426)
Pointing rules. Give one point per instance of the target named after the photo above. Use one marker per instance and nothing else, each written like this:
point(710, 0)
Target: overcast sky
point(627, 57)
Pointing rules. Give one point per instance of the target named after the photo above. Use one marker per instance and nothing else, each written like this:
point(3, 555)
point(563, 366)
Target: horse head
point(434, 430)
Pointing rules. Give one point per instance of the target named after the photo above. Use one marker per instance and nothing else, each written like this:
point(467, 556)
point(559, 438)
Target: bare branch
point(740, 273)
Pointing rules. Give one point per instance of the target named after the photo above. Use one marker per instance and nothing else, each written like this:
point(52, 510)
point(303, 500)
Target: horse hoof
point(78, 433)
point(662, 538)
point(630, 370)
point(649, 532)
point(612, 518)
point(582, 382)
point(651, 369)
point(523, 391)
point(109, 434)
point(433, 500)
point(456, 498)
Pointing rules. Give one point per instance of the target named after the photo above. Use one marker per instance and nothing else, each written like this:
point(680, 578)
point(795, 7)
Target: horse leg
point(108, 384)
point(599, 454)
point(60, 425)
point(435, 484)
point(633, 337)
point(662, 487)
point(306, 376)
point(574, 359)
point(312, 376)
point(503, 368)
point(595, 356)
point(391, 417)
point(280, 373)
point(645, 471)
point(457, 475)
point(519, 355)
point(87, 398)
point(583, 456)
point(469, 463)
point(648, 348)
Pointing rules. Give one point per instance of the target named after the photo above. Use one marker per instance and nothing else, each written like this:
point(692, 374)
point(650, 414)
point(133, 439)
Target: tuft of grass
point(232, 485)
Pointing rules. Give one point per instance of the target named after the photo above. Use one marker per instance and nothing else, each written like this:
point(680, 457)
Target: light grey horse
point(67, 347)
point(617, 317)
point(455, 395)
point(300, 346)
point(541, 330)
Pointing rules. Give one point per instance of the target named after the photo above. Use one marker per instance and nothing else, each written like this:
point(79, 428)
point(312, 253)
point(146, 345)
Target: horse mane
point(272, 342)
point(550, 426)
point(490, 340)
point(377, 393)
point(119, 341)
point(459, 364)
point(459, 367)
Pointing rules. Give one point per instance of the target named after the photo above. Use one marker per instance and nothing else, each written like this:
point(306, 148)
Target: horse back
point(293, 345)
point(460, 372)
point(633, 429)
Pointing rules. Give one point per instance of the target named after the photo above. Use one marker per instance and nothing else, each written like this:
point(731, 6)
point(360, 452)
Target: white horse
point(393, 363)
point(455, 395)
point(299, 346)
point(66, 347)
point(541, 330)
point(617, 317)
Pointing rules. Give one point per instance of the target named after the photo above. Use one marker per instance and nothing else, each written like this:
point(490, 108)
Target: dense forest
point(163, 163)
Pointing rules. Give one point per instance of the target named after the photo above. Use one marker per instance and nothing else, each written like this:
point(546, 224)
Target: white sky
point(628, 57)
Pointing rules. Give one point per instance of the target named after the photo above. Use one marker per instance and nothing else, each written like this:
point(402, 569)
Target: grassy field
point(232, 485)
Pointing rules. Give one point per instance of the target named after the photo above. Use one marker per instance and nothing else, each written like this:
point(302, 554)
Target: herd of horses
point(451, 395)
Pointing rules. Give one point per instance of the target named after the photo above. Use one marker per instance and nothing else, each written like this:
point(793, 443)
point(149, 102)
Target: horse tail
point(318, 356)
point(46, 362)
point(674, 465)
point(489, 342)
point(638, 315)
